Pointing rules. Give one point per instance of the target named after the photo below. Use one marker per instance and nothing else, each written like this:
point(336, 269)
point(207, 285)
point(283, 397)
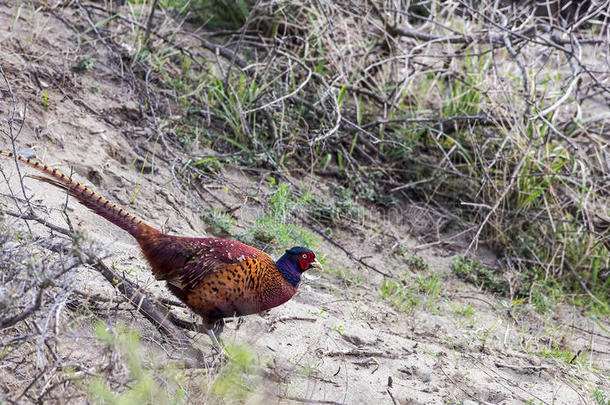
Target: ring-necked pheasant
point(216, 278)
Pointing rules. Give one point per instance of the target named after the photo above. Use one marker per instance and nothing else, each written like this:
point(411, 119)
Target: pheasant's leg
point(219, 326)
point(214, 328)
point(215, 341)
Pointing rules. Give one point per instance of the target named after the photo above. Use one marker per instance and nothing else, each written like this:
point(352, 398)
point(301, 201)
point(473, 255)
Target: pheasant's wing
point(210, 256)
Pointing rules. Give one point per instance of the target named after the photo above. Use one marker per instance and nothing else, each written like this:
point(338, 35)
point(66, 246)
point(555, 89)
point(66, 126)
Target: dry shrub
point(493, 112)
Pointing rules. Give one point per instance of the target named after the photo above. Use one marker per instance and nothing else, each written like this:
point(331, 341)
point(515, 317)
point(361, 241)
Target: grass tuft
point(275, 227)
point(220, 222)
point(150, 383)
point(474, 272)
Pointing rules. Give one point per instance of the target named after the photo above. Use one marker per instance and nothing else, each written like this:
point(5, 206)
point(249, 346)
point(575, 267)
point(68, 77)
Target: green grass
point(529, 291)
point(401, 297)
point(238, 381)
point(463, 96)
point(484, 334)
point(214, 14)
point(230, 105)
point(466, 311)
point(408, 294)
point(347, 275)
point(275, 227)
point(149, 382)
point(417, 263)
point(601, 397)
point(208, 164)
point(220, 222)
point(85, 64)
point(561, 353)
point(546, 295)
point(341, 207)
point(472, 271)
point(428, 284)
point(464, 315)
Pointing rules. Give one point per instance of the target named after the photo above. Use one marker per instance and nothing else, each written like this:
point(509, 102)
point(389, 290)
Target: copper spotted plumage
point(216, 278)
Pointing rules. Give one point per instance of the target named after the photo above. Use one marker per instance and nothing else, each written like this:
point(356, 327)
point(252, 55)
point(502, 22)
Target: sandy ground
point(334, 342)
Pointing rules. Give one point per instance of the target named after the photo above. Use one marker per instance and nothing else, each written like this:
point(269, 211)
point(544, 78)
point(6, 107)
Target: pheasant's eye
point(305, 256)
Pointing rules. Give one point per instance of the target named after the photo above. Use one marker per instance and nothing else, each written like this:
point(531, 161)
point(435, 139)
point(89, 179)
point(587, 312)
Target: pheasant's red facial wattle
point(305, 260)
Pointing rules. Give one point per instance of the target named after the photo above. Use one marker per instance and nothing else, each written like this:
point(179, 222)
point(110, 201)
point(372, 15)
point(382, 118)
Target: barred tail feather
point(90, 199)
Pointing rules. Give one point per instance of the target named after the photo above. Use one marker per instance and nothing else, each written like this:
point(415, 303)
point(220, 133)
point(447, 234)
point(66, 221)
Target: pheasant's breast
point(248, 287)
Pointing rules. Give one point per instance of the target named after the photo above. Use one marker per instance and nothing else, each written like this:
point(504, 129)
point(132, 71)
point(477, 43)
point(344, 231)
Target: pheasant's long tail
point(98, 204)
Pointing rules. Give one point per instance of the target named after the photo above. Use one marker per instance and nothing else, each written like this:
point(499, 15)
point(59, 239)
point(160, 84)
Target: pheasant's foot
point(218, 326)
point(218, 346)
point(215, 341)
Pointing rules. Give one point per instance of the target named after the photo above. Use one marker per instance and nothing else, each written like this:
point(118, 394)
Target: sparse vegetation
point(601, 398)
point(467, 311)
point(150, 382)
point(348, 276)
point(473, 271)
point(238, 381)
point(220, 222)
point(562, 353)
point(387, 128)
point(275, 227)
point(417, 263)
point(215, 14)
point(85, 63)
point(407, 294)
point(496, 182)
point(343, 207)
point(400, 296)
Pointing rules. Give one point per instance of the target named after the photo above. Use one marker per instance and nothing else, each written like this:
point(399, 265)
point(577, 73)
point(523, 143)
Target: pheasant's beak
point(316, 265)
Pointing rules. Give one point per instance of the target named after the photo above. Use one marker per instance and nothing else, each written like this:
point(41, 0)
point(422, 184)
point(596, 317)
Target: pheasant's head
point(295, 261)
point(303, 257)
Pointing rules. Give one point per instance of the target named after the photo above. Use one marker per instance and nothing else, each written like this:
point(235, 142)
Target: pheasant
point(215, 278)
